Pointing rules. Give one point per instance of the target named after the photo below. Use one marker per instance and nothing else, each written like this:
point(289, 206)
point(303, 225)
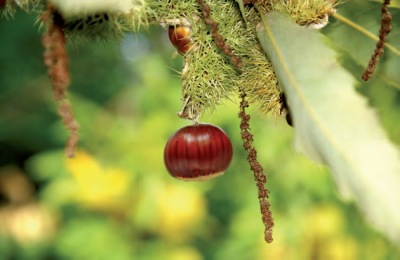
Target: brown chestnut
point(198, 152)
point(179, 36)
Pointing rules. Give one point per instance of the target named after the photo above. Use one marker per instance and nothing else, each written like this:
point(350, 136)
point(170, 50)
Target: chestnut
point(179, 36)
point(198, 152)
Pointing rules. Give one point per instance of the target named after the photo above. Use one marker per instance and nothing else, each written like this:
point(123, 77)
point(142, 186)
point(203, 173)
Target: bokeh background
point(115, 199)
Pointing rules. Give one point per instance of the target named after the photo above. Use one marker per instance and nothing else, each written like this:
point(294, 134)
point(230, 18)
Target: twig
point(384, 31)
point(257, 169)
point(56, 59)
point(219, 40)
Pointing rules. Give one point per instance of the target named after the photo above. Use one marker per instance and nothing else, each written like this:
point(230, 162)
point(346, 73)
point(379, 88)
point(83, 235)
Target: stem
point(56, 59)
point(219, 40)
point(257, 169)
point(384, 31)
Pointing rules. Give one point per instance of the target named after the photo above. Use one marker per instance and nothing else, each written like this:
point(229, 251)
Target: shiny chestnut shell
point(179, 36)
point(198, 152)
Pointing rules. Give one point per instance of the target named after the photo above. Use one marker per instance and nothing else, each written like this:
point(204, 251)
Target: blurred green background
point(115, 199)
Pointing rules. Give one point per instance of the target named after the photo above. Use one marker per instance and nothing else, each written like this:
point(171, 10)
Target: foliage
point(326, 128)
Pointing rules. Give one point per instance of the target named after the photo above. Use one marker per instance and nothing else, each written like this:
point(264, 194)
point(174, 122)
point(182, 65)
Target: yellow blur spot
point(185, 253)
point(340, 248)
point(27, 223)
point(325, 221)
point(320, 236)
point(97, 187)
point(181, 209)
point(276, 250)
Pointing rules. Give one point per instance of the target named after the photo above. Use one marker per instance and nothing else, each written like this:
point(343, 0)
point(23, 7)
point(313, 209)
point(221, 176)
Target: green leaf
point(355, 31)
point(333, 123)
